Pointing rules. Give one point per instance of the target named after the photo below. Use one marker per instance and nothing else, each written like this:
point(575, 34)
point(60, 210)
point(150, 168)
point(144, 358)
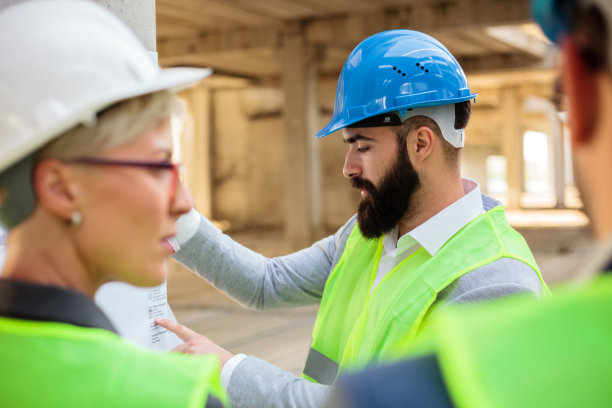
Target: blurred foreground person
point(88, 194)
point(519, 354)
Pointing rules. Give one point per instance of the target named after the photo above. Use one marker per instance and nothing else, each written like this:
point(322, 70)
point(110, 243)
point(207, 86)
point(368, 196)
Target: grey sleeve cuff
point(228, 369)
point(257, 383)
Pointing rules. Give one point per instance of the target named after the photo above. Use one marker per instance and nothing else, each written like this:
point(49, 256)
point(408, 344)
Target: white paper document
point(132, 309)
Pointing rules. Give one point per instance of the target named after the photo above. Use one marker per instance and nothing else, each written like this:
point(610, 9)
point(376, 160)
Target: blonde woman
point(88, 194)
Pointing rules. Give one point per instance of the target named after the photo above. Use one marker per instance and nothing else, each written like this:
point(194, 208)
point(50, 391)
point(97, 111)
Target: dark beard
point(382, 209)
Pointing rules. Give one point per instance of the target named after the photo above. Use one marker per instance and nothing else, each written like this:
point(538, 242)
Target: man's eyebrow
point(355, 138)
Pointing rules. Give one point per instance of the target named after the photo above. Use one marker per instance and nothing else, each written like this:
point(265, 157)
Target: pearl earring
point(75, 219)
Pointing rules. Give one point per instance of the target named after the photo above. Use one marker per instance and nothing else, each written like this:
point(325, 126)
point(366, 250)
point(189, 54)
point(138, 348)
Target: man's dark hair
point(463, 111)
point(590, 31)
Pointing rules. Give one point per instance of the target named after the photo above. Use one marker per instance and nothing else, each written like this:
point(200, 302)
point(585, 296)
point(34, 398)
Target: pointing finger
point(183, 332)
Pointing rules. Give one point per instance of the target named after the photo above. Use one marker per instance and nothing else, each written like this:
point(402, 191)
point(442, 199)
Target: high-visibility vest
point(514, 353)
point(51, 364)
point(354, 328)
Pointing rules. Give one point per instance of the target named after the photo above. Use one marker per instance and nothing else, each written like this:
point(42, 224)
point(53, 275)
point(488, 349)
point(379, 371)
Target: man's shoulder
point(502, 277)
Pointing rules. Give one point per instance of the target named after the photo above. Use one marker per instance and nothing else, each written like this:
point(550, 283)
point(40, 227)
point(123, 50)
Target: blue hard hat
point(553, 16)
point(393, 71)
point(557, 17)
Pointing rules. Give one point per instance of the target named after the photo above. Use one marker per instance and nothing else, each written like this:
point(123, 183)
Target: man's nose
point(351, 167)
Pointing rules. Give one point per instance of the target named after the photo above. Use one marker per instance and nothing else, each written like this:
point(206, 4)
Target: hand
point(194, 343)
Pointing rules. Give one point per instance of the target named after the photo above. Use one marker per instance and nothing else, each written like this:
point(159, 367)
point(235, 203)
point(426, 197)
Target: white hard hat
point(61, 62)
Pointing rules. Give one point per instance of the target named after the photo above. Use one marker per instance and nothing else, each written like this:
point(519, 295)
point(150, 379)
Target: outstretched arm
point(252, 279)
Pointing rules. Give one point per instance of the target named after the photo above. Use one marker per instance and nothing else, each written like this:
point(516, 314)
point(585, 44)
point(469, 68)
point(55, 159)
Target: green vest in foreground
point(354, 328)
point(49, 364)
point(514, 353)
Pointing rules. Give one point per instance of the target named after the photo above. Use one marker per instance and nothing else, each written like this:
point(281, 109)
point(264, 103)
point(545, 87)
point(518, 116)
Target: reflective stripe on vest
point(50, 364)
point(320, 368)
point(355, 328)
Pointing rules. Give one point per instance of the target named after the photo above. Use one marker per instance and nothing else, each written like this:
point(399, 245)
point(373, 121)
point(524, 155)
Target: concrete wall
point(230, 165)
point(248, 163)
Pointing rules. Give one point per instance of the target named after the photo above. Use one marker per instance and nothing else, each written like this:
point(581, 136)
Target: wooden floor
point(283, 337)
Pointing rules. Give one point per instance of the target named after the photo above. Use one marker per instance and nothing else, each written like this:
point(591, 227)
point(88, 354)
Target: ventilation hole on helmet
point(403, 74)
point(418, 64)
point(394, 68)
point(426, 70)
point(422, 67)
point(399, 71)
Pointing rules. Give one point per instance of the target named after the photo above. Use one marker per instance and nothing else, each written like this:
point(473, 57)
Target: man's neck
point(430, 199)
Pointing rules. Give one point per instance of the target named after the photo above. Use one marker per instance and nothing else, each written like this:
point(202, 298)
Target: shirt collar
point(392, 246)
point(29, 301)
point(434, 232)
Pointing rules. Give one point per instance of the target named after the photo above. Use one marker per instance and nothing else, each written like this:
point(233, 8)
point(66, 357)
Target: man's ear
point(55, 188)
point(422, 143)
point(579, 83)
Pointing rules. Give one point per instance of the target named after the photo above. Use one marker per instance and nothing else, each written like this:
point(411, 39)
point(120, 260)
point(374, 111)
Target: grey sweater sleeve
point(257, 281)
point(257, 383)
point(504, 277)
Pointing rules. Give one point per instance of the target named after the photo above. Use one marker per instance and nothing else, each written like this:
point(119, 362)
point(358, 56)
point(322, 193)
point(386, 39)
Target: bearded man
point(422, 237)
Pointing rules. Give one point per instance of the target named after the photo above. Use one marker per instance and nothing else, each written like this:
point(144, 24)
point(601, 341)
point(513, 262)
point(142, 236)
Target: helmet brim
point(171, 79)
point(338, 123)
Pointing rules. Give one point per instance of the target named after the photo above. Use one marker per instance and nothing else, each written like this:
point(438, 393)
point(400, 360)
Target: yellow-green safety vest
point(354, 328)
point(51, 364)
point(514, 353)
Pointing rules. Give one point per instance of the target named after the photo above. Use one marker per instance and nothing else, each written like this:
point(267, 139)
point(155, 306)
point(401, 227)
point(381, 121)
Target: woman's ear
point(579, 84)
point(55, 187)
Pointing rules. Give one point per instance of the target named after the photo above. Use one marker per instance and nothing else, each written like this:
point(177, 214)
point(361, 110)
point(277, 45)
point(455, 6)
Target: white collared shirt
point(433, 233)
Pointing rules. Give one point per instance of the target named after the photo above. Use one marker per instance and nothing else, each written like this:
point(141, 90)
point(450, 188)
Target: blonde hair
point(114, 126)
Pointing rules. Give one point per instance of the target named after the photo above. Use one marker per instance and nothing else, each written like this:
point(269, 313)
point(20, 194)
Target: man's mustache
point(363, 184)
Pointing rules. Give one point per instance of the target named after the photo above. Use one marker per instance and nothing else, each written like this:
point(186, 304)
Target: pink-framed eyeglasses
point(174, 168)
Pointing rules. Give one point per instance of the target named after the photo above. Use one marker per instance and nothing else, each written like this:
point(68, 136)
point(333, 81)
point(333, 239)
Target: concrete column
point(139, 15)
point(558, 155)
point(512, 144)
point(303, 181)
point(315, 183)
point(196, 146)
